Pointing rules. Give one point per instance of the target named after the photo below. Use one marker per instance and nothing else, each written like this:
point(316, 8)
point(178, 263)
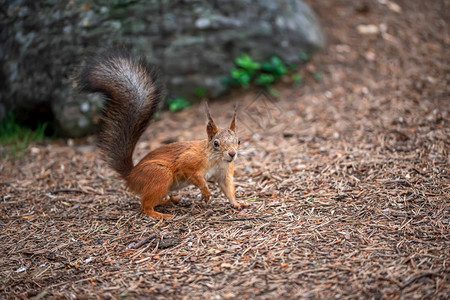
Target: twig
point(238, 219)
point(68, 191)
point(417, 277)
point(142, 242)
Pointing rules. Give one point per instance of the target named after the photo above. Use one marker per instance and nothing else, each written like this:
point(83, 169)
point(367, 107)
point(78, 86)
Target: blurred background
point(203, 48)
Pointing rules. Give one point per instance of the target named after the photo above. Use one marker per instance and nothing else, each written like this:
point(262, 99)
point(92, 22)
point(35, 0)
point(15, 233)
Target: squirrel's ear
point(233, 120)
point(211, 127)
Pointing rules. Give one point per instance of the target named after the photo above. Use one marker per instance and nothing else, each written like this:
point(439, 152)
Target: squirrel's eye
point(216, 143)
point(239, 141)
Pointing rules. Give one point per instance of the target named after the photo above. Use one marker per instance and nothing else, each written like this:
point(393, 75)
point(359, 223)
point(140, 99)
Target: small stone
point(203, 23)
point(287, 134)
point(84, 107)
point(367, 29)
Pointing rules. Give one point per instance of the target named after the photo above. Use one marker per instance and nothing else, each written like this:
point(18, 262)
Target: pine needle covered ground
point(347, 174)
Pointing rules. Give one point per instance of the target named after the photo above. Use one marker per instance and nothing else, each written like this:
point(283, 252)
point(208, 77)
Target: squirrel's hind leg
point(157, 180)
point(150, 200)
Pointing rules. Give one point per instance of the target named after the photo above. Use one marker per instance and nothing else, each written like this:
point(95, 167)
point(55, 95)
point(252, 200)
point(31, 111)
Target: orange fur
point(133, 92)
point(172, 165)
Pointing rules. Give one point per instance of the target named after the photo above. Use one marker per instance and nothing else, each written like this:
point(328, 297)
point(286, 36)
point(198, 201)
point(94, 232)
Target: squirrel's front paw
point(205, 198)
point(239, 205)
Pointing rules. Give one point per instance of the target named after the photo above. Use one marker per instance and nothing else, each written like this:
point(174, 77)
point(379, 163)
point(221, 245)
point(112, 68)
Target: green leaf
point(292, 67)
point(318, 76)
point(178, 104)
point(237, 73)
point(275, 66)
point(274, 92)
point(278, 64)
point(242, 76)
point(247, 63)
point(263, 74)
point(267, 66)
point(265, 79)
point(200, 92)
point(229, 81)
point(303, 55)
point(297, 78)
point(251, 198)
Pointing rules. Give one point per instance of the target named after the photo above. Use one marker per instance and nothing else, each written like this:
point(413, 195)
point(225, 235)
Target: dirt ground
point(347, 174)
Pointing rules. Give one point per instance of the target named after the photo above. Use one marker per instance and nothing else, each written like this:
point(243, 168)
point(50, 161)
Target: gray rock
point(193, 42)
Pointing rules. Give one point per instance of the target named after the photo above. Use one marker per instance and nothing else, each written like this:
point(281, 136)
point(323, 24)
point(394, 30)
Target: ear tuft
point(233, 120)
point(211, 127)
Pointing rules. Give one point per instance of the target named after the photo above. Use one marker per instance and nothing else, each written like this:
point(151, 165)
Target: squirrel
point(133, 92)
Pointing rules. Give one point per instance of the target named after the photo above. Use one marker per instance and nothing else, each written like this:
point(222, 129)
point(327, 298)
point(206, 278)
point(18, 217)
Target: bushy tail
point(133, 92)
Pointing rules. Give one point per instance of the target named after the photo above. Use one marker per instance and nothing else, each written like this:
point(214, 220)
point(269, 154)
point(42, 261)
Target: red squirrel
point(133, 91)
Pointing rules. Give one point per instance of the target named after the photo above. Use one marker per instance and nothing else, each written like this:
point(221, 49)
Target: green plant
point(297, 78)
point(248, 71)
point(177, 104)
point(241, 76)
point(275, 66)
point(15, 137)
point(318, 76)
point(274, 92)
point(247, 63)
point(200, 92)
point(264, 79)
point(303, 55)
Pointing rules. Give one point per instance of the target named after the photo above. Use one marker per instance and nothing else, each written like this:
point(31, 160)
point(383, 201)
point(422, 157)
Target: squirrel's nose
point(232, 154)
